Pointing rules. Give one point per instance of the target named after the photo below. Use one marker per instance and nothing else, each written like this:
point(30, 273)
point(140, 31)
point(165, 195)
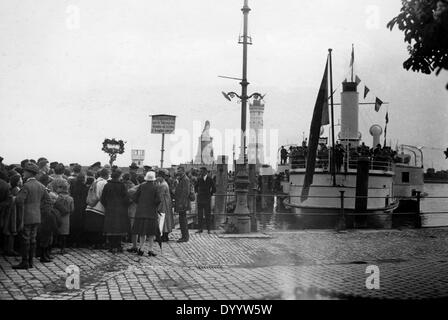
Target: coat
point(49, 223)
point(30, 196)
point(165, 206)
point(79, 194)
point(115, 200)
point(65, 205)
point(182, 195)
point(98, 208)
point(147, 200)
point(205, 189)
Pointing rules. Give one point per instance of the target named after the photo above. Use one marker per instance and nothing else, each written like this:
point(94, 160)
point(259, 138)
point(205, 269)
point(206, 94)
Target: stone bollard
point(221, 190)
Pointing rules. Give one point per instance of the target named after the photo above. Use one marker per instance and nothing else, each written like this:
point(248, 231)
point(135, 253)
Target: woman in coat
point(78, 191)
point(94, 215)
point(146, 216)
point(115, 201)
point(165, 204)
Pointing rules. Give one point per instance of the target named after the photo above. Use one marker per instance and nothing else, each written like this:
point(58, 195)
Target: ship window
point(405, 177)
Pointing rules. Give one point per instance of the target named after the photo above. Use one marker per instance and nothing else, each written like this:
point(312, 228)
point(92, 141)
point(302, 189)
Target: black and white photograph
point(234, 152)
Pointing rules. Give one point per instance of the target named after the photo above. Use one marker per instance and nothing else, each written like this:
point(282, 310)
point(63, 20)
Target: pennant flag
point(313, 141)
point(357, 80)
point(366, 91)
point(378, 104)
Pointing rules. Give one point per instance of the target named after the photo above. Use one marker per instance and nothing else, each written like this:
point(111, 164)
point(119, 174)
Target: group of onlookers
point(48, 204)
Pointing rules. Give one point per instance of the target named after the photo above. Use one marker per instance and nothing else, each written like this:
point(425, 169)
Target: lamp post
point(241, 220)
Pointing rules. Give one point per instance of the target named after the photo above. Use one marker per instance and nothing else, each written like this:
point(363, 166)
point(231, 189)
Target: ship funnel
point(349, 115)
point(376, 131)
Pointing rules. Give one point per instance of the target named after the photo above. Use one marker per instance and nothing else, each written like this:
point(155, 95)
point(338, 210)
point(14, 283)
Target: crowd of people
point(49, 205)
point(343, 156)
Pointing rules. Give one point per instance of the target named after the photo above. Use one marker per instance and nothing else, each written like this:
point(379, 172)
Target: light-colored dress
point(165, 206)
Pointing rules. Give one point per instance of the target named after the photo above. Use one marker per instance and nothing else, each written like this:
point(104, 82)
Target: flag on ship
point(313, 141)
point(366, 91)
point(357, 80)
point(378, 104)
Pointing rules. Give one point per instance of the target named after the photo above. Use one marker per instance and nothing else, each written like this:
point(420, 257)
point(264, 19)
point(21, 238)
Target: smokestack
point(349, 114)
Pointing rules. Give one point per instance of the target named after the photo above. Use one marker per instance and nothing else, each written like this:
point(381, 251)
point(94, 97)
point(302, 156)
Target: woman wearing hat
point(146, 216)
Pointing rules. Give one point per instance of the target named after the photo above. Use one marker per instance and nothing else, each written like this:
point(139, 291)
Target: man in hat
point(205, 188)
point(30, 196)
point(182, 202)
point(133, 173)
point(43, 167)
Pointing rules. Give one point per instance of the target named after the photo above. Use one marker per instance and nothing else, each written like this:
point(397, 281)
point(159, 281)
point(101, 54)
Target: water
point(435, 211)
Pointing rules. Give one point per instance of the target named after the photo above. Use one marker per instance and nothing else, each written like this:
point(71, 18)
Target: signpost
point(162, 124)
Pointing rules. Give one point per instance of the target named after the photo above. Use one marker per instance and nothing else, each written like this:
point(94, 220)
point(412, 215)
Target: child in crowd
point(65, 206)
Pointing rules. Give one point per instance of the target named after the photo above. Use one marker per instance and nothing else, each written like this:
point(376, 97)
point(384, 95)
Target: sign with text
point(163, 123)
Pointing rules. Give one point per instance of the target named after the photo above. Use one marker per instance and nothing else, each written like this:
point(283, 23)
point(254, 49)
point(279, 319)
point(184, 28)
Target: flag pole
point(353, 59)
point(332, 164)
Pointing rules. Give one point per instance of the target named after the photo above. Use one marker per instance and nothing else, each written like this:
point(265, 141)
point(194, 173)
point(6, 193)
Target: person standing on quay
point(94, 217)
point(205, 188)
point(115, 200)
point(30, 196)
point(182, 202)
point(78, 191)
point(165, 204)
point(146, 216)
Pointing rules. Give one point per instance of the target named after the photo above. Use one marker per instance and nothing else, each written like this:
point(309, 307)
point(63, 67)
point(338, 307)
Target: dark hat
point(133, 166)
point(19, 170)
point(53, 164)
point(12, 173)
point(1, 158)
point(42, 160)
point(33, 161)
point(147, 167)
point(31, 167)
point(163, 172)
point(96, 164)
point(24, 162)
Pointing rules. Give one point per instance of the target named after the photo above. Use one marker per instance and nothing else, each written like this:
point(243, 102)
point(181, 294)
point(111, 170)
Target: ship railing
point(324, 164)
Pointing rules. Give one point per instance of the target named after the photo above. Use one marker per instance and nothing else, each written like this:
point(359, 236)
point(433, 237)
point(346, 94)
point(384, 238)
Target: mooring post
point(342, 225)
point(418, 213)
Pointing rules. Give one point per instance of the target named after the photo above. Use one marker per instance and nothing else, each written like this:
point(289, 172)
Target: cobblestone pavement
point(270, 265)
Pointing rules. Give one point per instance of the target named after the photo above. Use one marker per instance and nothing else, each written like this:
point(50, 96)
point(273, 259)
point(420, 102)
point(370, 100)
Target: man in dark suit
point(205, 188)
point(182, 202)
point(30, 196)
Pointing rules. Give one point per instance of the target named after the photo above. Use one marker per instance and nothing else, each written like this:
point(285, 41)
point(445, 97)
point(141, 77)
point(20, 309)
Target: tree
point(113, 147)
point(425, 26)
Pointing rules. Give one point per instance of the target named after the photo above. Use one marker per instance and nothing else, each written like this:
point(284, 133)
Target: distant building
point(255, 148)
point(138, 157)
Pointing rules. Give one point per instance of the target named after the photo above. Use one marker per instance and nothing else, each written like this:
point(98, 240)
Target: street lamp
point(240, 222)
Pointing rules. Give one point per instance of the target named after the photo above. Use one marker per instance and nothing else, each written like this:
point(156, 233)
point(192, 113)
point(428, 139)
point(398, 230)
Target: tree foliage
point(425, 27)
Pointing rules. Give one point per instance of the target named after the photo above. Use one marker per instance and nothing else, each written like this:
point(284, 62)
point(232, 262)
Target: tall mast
point(353, 59)
point(332, 164)
point(244, 82)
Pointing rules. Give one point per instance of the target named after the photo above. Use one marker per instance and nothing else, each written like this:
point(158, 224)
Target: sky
point(73, 73)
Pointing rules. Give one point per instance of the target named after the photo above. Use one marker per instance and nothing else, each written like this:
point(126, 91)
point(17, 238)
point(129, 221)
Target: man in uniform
point(30, 196)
